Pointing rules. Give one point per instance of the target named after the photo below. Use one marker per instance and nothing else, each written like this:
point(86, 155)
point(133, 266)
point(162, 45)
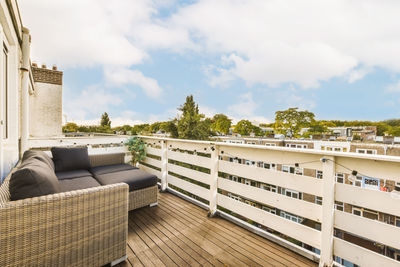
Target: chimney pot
point(44, 66)
point(54, 67)
point(34, 64)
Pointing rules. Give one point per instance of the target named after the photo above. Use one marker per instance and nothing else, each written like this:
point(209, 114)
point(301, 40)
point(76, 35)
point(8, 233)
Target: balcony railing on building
point(328, 206)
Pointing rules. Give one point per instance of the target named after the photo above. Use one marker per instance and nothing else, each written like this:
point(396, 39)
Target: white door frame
point(1, 109)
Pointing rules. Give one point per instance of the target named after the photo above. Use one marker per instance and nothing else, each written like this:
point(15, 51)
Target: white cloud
point(124, 76)
point(245, 107)
point(209, 112)
point(393, 88)
point(290, 98)
point(92, 102)
point(358, 74)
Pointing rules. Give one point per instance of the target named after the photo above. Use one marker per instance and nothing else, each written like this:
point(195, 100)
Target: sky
point(137, 60)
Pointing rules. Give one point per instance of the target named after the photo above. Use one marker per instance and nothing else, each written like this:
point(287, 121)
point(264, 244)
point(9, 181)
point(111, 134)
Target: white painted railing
point(200, 170)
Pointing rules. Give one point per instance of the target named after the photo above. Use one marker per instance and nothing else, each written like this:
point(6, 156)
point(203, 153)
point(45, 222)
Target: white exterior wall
point(45, 110)
point(9, 147)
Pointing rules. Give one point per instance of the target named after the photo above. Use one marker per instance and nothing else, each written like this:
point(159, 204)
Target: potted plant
point(137, 148)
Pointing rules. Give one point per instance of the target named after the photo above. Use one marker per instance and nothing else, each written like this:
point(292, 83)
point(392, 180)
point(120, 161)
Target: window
point(292, 193)
point(247, 182)
point(291, 217)
point(366, 151)
point(250, 203)
point(269, 187)
point(340, 178)
point(5, 92)
point(250, 162)
point(270, 166)
point(234, 197)
point(370, 214)
point(339, 206)
point(294, 170)
point(397, 221)
point(358, 182)
point(322, 147)
point(319, 174)
point(251, 143)
point(234, 178)
point(270, 210)
point(270, 144)
point(318, 200)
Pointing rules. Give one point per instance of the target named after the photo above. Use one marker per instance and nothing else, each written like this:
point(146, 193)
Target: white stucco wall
point(45, 109)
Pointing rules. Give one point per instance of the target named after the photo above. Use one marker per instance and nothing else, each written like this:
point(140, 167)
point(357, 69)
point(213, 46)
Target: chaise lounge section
point(72, 216)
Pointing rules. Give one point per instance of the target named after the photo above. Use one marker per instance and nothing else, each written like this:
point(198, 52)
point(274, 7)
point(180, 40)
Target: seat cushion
point(33, 178)
point(40, 155)
point(78, 183)
point(136, 179)
point(72, 174)
point(70, 158)
point(111, 168)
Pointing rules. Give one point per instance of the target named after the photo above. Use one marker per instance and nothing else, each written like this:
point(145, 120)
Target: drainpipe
point(26, 49)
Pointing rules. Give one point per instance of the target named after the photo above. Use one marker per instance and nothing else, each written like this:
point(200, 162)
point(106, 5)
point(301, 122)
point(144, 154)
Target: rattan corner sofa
point(84, 227)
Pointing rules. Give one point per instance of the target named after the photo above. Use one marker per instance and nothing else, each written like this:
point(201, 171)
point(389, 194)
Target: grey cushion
point(40, 155)
point(72, 174)
point(68, 159)
point(111, 168)
point(33, 178)
point(67, 185)
point(136, 179)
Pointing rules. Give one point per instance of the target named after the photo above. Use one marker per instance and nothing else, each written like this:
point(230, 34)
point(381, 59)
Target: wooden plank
point(202, 177)
point(162, 244)
point(153, 162)
point(242, 239)
point(152, 246)
point(366, 198)
point(295, 230)
point(360, 255)
point(153, 151)
point(176, 227)
point(382, 232)
point(189, 158)
point(170, 233)
point(296, 206)
point(300, 183)
point(189, 187)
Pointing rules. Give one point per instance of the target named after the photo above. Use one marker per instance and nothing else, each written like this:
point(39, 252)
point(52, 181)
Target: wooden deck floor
point(178, 233)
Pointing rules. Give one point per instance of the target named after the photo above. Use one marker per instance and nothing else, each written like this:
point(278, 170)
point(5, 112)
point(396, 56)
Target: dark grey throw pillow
point(33, 178)
point(40, 155)
point(70, 158)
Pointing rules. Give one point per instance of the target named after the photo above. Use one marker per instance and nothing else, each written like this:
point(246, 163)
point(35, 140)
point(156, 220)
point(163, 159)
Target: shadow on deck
point(178, 233)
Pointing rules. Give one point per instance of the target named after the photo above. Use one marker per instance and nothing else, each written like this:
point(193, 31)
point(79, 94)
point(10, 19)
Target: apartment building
point(30, 97)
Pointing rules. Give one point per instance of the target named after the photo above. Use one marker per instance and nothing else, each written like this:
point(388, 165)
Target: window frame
point(5, 89)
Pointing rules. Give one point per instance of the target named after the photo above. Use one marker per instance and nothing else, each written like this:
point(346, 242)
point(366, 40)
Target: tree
point(190, 125)
point(70, 127)
point(105, 120)
point(394, 131)
point(170, 127)
point(244, 127)
point(290, 121)
point(221, 123)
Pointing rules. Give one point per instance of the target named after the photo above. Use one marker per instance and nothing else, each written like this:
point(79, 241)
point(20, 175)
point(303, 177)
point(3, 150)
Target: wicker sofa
point(85, 227)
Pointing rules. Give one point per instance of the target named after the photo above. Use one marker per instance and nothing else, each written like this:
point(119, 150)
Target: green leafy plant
point(137, 148)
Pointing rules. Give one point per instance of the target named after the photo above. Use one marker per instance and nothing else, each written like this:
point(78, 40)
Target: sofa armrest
point(79, 228)
point(106, 159)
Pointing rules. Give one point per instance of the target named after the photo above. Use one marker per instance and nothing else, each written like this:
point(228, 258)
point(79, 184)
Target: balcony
point(315, 206)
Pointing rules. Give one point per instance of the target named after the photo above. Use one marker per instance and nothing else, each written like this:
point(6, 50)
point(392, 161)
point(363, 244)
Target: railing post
point(214, 180)
point(328, 204)
point(164, 165)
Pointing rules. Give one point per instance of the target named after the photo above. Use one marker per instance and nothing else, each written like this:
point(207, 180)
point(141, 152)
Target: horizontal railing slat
point(151, 170)
point(371, 229)
point(191, 159)
point(360, 255)
point(295, 230)
point(189, 173)
point(189, 187)
point(300, 183)
point(153, 162)
point(153, 151)
point(296, 206)
point(366, 198)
